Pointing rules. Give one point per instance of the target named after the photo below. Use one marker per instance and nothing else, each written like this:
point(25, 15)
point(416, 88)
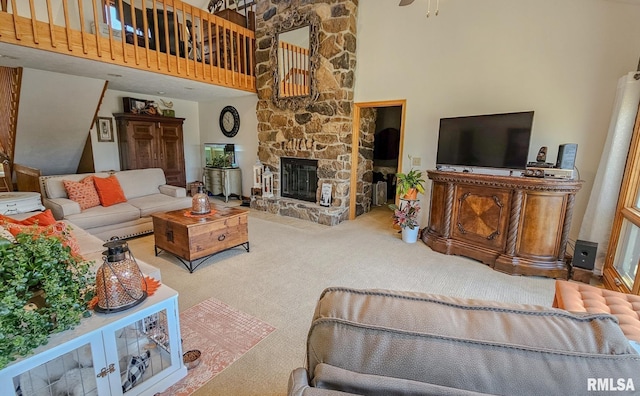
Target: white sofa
point(146, 192)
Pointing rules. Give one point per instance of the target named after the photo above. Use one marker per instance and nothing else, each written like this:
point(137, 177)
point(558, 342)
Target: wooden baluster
point(145, 25)
point(218, 47)
point(156, 34)
point(237, 68)
point(52, 32)
point(15, 20)
point(135, 32)
point(177, 38)
point(82, 29)
point(210, 28)
point(123, 33)
point(252, 63)
point(166, 37)
point(65, 10)
point(98, 28)
point(34, 22)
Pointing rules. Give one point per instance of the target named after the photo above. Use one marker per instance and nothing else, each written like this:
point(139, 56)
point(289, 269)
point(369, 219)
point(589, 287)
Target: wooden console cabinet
point(146, 141)
point(516, 225)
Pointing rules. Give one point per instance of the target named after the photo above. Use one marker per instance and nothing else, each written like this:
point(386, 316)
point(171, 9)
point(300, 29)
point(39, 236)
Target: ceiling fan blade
point(405, 2)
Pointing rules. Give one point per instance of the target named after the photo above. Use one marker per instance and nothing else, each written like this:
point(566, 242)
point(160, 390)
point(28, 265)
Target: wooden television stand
point(517, 225)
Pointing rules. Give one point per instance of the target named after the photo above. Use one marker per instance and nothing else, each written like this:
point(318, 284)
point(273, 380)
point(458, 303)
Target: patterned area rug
point(222, 333)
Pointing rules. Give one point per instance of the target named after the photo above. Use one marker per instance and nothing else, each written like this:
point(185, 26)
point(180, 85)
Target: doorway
point(378, 131)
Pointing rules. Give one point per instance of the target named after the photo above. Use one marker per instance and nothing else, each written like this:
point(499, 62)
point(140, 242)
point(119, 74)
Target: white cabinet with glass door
point(133, 352)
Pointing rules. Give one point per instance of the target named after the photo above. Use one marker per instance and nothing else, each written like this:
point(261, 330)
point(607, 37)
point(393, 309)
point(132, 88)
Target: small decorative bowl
point(191, 359)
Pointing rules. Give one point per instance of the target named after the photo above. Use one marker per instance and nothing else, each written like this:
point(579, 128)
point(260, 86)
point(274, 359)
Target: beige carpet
point(292, 261)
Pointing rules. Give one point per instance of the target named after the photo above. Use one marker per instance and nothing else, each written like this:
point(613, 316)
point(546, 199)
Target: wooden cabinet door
point(171, 151)
point(480, 216)
point(142, 145)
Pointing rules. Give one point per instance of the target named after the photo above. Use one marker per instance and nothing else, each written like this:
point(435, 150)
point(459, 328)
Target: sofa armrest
point(61, 207)
point(173, 191)
point(299, 386)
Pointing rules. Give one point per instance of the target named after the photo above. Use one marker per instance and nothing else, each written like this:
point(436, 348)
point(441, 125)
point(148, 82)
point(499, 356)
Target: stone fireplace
point(320, 131)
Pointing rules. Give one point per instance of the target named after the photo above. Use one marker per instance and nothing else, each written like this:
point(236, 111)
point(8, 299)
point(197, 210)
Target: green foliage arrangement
point(407, 181)
point(39, 264)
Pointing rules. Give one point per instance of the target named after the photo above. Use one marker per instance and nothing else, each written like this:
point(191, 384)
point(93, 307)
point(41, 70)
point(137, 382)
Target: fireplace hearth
point(299, 178)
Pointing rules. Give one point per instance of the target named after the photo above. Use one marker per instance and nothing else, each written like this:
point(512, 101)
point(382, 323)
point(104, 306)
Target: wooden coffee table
point(198, 238)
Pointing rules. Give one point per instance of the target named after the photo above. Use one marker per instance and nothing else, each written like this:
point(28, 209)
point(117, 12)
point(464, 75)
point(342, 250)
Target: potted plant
point(44, 289)
point(409, 184)
point(406, 216)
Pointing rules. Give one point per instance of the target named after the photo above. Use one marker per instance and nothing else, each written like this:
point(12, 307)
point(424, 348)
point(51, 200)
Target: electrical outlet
point(416, 161)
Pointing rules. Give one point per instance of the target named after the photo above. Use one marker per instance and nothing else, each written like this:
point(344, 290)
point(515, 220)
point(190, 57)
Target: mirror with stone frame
point(294, 60)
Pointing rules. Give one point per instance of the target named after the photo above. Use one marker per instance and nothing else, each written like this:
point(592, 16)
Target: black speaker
point(584, 255)
point(567, 156)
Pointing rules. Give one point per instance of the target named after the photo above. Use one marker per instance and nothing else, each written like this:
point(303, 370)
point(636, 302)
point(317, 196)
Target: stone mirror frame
point(294, 60)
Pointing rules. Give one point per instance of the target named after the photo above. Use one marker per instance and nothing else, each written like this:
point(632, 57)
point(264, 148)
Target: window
point(112, 16)
point(623, 256)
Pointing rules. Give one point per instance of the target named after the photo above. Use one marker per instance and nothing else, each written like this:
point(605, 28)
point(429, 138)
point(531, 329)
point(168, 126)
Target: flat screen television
point(488, 141)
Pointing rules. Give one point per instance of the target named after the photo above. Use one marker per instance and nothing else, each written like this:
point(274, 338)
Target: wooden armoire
point(147, 141)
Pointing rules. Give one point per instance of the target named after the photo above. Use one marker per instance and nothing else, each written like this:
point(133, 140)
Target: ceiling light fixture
point(160, 92)
point(114, 75)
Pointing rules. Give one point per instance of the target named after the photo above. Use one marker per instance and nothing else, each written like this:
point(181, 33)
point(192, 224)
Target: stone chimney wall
point(322, 130)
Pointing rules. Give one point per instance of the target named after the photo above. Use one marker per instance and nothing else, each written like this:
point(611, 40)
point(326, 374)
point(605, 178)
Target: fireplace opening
point(299, 178)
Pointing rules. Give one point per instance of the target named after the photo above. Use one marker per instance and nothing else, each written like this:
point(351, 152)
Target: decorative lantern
point(267, 183)
point(120, 283)
point(200, 204)
point(257, 174)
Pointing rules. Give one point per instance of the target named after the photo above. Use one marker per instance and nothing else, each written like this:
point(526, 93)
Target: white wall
point(106, 154)
point(246, 141)
point(54, 119)
point(560, 58)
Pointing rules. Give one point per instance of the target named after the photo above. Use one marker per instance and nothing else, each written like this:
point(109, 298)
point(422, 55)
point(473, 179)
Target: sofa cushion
point(109, 190)
point(53, 187)
point(41, 218)
point(83, 192)
point(100, 215)
point(159, 203)
point(141, 182)
point(580, 297)
point(480, 346)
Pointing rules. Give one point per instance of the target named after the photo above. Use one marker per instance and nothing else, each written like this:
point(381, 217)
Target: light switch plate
point(416, 161)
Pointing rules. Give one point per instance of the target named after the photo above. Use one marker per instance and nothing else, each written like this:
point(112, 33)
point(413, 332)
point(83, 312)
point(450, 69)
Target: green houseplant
point(409, 184)
point(44, 289)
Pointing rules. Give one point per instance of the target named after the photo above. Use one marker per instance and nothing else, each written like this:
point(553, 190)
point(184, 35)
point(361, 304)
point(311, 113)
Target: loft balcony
point(168, 37)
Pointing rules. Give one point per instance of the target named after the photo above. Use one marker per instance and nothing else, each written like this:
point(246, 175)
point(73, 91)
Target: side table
point(20, 202)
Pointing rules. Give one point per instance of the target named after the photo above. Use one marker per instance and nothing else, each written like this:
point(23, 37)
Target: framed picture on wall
point(104, 126)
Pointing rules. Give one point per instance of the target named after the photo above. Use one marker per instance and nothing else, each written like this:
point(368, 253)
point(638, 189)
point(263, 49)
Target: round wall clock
point(229, 121)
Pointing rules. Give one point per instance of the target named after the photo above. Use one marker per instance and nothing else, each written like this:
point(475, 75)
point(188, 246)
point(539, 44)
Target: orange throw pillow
point(109, 190)
point(58, 229)
point(82, 192)
point(42, 219)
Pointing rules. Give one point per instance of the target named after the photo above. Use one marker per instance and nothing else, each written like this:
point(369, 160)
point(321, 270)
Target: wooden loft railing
point(161, 36)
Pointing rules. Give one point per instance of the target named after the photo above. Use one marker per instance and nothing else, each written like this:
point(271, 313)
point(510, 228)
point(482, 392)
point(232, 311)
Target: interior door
point(623, 256)
point(172, 154)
